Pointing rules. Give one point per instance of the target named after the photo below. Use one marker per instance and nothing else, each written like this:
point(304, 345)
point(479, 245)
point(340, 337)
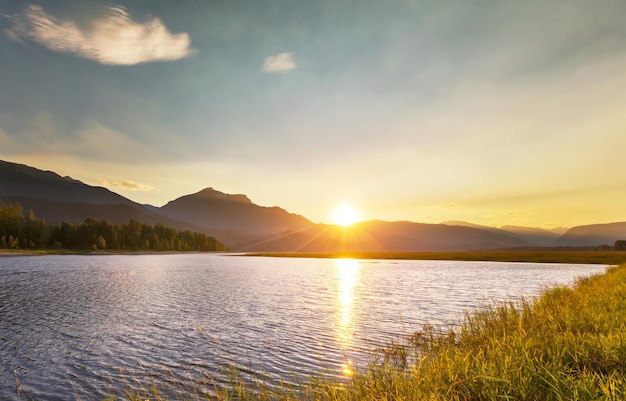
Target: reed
point(568, 344)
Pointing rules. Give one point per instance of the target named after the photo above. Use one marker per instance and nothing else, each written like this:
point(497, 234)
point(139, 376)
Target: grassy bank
point(35, 252)
point(43, 252)
point(568, 344)
point(547, 256)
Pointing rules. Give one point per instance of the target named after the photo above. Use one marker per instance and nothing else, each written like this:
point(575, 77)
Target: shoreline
point(512, 256)
point(46, 252)
point(523, 256)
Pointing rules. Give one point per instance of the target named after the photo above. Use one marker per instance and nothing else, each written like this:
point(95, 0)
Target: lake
point(88, 325)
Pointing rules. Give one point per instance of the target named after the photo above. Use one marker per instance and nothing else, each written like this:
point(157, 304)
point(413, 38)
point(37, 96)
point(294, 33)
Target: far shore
point(43, 252)
point(530, 256)
point(603, 257)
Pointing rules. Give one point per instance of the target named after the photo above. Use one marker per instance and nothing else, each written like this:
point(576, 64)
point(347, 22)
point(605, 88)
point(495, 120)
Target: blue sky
point(494, 112)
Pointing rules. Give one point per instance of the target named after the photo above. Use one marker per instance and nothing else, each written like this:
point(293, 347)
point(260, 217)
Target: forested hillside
point(25, 231)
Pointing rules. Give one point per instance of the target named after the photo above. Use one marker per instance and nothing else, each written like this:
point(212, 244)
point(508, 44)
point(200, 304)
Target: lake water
point(87, 325)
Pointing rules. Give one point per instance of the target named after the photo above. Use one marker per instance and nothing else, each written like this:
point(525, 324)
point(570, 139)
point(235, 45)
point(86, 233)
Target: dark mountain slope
point(18, 180)
point(379, 236)
point(216, 210)
point(57, 199)
point(233, 219)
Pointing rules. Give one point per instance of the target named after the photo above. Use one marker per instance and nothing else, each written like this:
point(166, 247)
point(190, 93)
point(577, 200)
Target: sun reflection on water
point(347, 275)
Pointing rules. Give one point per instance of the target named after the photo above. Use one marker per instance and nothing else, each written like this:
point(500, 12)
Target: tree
point(11, 217)
point(620, 245)
point(14, 243)
point(101, 243)
point(17, 230)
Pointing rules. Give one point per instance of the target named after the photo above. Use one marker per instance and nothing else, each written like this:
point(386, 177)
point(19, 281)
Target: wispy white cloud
point(113, 39)
point(279, 63)
point(126, 184)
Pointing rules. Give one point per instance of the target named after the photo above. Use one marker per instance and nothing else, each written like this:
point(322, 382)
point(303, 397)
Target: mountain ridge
point(244, 226)
point(593, 234)
point(49, 185)
point(211, 193)
point(215, 209)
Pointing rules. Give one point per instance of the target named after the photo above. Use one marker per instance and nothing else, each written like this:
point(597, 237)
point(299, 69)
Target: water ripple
point(90, 325)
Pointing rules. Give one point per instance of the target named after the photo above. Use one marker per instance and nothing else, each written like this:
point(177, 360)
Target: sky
point(493, 112)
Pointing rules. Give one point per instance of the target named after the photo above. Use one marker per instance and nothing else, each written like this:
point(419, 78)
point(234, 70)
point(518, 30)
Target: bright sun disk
point(345, 215)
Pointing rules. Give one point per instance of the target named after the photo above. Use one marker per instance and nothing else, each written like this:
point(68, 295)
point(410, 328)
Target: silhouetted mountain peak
point(217, 210)
point(70, 179)
point(212, 194)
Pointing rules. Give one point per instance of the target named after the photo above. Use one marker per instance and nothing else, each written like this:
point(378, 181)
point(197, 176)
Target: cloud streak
point(113, 39)
point(127, 184)
point(279, 63)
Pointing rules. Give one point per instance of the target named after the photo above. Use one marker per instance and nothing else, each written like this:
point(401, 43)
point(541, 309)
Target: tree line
point(25, 231)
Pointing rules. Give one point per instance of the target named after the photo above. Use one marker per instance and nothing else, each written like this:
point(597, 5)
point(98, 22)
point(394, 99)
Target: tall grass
point(567, 344)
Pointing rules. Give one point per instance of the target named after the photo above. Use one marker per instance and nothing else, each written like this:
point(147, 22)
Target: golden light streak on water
point(346, 368)
point(347, 275)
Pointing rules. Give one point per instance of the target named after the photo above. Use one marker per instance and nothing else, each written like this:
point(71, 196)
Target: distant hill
point(216, 210)
point(538, 236)
point(530, 235)
point(481, 227)
point(594, 234)
point(472, 225)
point(380, 236)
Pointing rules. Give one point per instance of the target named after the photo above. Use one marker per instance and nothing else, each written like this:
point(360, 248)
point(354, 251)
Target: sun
point(345, 215)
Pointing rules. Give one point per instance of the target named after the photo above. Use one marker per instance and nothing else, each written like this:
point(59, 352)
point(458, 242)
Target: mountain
point(472, 225)
point(380, 236)
point(216, 210)
point(593, 234)
point(19, 180)
point(57, 199)
point(500, 231)
point(531, 235)
point(538, 236)
point(244, 226)
point(233, 219)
